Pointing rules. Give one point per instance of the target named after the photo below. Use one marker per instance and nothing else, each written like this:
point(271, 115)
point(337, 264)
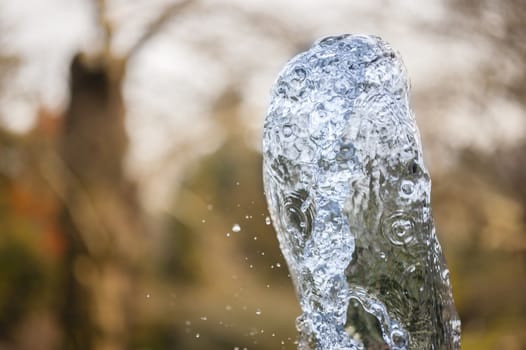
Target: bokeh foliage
point(182, 278)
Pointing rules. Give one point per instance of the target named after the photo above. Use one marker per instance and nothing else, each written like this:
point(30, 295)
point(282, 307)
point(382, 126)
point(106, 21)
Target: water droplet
point(267, 221)
point(258, 312)
point(236, 228)
point(197, 335)
point(148, 295)
point(228, 234)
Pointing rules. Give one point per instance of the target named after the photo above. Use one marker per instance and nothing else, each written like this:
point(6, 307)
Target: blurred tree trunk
point(101, 216)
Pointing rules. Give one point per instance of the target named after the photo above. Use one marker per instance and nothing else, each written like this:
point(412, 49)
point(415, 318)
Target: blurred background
point(132, 213)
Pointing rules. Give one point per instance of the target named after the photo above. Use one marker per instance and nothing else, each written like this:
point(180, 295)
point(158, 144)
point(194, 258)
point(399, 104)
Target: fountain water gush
point(349, 197)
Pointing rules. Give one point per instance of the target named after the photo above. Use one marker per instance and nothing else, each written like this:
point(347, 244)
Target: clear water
point(349, 196)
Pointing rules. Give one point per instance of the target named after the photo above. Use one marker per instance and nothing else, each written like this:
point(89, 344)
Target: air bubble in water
point(287, 130)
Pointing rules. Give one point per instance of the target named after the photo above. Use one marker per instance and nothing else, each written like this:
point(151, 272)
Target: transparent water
point(349, 196)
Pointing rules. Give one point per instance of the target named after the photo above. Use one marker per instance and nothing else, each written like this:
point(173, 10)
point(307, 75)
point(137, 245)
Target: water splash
point(349, 196)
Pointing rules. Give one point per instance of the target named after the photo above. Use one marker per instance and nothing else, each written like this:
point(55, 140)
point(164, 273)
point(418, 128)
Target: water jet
point(349, 197)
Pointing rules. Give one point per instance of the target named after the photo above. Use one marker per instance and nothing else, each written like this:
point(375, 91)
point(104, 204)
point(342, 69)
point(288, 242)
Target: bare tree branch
point(107, 28)
point(84, 213)
point(165, 16)
point(267, 24)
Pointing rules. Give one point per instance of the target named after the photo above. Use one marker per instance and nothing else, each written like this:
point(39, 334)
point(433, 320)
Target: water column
point(349, 197)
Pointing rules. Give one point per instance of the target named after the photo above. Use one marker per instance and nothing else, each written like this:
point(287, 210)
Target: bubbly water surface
point(349, 196)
